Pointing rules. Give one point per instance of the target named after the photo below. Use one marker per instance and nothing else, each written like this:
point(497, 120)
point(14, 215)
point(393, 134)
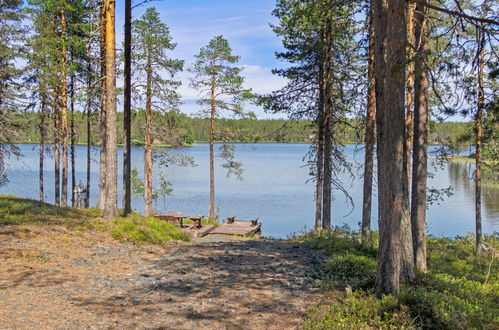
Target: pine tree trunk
point(319, 183)
point(328, 109)
point(103, 117)
point(127, 112)
point(420, 152)
point(391, 34)
point(370, 138)
point(111, 199)
point(57, 155)
point(73, 137)
point(148, 141)
point(64, 110)
point(478, 146)
point(89, 131)
point(212, 152)
point(409, 85)
point(42, 146)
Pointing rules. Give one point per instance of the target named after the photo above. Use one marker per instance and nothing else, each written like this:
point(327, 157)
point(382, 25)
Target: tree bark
point(409, 85)
point(89, 127)
point(370, 138)
point(212, 153)
point(57, 155)
point(478, 145)
point(73, 137)
point(319, 184)
point(148, 140)
point(103, 117)
point(127, 112)
point(407, 273)
point(390, 61)
point(328, 109)
point(42, 146)
point(111, 188)
point(64, 109)
point(420, 151)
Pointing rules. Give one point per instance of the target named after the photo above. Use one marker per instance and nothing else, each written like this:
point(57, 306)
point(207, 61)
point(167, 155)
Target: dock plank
point(238, 227)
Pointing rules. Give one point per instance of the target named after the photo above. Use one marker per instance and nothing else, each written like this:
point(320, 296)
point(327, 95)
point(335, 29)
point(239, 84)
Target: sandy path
point(54, 278)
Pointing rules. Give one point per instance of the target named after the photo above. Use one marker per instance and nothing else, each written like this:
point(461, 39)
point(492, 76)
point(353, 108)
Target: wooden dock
point(199, 231)
point(237, 227)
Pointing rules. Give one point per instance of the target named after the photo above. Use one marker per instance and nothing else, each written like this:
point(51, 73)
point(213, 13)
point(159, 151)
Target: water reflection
point(461, 176)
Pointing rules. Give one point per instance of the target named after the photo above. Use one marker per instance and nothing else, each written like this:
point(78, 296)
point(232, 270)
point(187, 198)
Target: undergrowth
point(138, 229)
point(135, 228)
point(459, 291)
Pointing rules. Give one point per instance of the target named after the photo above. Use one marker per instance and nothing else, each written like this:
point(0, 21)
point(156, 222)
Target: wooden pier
point(238, 227)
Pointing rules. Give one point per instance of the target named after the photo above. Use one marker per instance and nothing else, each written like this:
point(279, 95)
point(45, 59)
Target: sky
point(246, 25)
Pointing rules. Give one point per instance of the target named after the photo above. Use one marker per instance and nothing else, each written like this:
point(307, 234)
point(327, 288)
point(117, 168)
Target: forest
point(236, 130)
point(395, 76)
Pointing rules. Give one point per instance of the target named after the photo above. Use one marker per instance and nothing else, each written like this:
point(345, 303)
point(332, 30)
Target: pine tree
point(217, 78)
point(154, 77)
point(11, 15)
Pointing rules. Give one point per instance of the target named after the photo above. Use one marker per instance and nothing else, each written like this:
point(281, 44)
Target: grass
point(460, 290)
point(138, 229)
point(135, 228)
point(19, 211)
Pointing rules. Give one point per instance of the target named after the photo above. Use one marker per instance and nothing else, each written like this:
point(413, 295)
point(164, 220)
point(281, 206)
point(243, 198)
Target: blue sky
point(193, 23)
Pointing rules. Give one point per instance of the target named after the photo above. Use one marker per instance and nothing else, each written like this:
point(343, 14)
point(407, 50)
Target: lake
point(275, 188)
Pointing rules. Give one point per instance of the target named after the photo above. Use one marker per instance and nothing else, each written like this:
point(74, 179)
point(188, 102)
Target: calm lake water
point(274, 188)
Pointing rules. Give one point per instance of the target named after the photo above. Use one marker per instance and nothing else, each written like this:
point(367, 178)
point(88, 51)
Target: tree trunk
point(370, 138)
point(64, 110)
point(391, 33)
point(111, 199)
point(42, 145)
point(103, 117)
point(57, 155)
point(148, 141)
point(212, 153)
point(319, 184)
point(409, 85)
point(127, 112)
point(478, 143)
point(89, 128)
point(73, 137)
point(328, 109)
point(407, 273)
point(420, 152)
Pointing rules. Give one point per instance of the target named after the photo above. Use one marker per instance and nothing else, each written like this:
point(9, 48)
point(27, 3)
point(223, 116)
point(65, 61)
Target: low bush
point(139, 230)
point(459, 291)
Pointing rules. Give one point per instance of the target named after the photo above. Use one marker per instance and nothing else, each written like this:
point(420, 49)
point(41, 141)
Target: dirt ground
point(51, 277)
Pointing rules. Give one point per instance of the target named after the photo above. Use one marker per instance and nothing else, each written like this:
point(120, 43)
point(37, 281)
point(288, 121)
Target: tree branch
point(456, 13)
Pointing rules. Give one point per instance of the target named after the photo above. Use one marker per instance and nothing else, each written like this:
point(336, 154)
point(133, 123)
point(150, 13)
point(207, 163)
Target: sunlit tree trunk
point(390, 44)
point(212, 152)
point(64, 110)
point(111, 199)
point(127, 112)
point(328, 109)
point(148, 140)
point(420, 153)
point(102, 119)
point(370, 138)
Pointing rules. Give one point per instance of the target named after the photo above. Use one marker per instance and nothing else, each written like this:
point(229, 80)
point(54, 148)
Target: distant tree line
point(189, 130)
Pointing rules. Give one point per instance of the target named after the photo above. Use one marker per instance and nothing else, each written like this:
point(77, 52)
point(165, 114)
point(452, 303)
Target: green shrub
point(460, 290)
point(360, 310)
point(139, 229)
